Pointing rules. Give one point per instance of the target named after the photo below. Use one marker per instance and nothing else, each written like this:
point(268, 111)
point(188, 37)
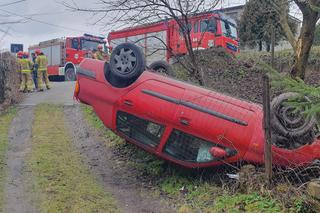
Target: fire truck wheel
point(127, 62)
point(285, 121)
point(70, 75)
point(162, 67)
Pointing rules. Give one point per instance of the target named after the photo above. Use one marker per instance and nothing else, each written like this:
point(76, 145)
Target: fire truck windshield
point(89, 44)
point(228, 29)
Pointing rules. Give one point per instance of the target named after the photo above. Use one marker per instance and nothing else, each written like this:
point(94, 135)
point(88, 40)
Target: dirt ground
point(17, 194)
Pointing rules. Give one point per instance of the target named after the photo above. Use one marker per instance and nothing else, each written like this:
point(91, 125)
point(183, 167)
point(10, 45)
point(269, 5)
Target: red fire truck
point(207, 30)
point(65, 54)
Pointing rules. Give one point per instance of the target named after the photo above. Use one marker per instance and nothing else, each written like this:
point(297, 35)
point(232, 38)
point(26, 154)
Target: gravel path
point(60, 93)
point(17, 194)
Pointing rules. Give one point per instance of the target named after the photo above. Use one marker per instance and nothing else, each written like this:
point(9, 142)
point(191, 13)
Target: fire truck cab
point(65, 54)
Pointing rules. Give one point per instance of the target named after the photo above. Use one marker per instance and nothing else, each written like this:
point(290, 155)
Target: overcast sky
point(48, 19)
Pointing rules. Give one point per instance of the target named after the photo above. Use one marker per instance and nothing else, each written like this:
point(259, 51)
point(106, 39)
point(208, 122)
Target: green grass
point(186, 190)
point(246, 203)
point(62, 183)
point(5, 122)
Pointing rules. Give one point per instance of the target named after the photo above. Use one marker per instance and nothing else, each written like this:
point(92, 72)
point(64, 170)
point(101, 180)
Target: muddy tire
point(126, 64)
point(70, 74)
point(287, 123)
point(162, 67)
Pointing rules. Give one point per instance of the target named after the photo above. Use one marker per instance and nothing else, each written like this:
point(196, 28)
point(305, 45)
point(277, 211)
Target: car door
point(216, 118)
point(146, 111)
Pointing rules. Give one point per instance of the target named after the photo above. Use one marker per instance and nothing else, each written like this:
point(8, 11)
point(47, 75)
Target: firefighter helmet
point(38, 51)
point(19, 54)
point(26, 54)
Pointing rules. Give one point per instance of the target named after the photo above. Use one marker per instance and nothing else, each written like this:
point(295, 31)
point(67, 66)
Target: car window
point(195, 27)
point(141, 130)
point(75, 43)
point(228, 29)
point(185, 28)
point(204, 25)
point(208, 25)
point(186, 147)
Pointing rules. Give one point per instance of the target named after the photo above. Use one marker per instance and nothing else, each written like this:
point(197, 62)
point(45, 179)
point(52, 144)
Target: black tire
point(113, 80)
point(285, 122)
point(162, 67)
point(126, 64)
point(70, 74)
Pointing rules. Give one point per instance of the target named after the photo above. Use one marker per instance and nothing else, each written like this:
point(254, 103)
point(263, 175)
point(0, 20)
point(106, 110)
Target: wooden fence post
point(267, 128)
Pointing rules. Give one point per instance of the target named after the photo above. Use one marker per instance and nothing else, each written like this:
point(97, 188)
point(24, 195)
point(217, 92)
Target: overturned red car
point(186, 124)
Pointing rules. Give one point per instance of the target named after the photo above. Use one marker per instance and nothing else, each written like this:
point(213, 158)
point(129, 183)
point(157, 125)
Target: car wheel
point(113, 80)
point(70, 75)
point(162, 67)
point(126, 63)
point(286, 122)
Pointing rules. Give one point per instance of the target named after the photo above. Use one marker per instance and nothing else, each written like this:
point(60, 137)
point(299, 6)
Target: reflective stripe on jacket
point(25, 65)
point(42, 62)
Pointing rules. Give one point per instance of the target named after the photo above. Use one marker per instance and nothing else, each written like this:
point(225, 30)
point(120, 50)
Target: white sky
point(51, 12)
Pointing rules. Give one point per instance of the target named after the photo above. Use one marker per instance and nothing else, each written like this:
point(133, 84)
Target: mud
point(131, 195)
point(17, 191)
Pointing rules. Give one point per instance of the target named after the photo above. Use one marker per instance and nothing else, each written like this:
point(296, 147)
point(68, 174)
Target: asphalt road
point(60, 93)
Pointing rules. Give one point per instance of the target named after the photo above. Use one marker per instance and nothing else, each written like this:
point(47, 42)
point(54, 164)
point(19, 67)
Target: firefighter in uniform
point(100, 54)
point(25, 68)
point(41, 66)
point(34, 71)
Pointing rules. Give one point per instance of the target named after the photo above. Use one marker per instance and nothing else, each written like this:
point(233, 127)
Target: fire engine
point(163, 40)
point(65, 54)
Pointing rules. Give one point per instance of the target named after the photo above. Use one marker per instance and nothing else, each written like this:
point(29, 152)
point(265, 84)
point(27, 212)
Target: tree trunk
point(260, 46)
point(268, 46)
point(301, 58)
point(303, 45)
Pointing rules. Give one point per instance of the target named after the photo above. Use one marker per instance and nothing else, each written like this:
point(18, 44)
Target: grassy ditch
point(5, 121)
point(193, 190)
point(62, 183)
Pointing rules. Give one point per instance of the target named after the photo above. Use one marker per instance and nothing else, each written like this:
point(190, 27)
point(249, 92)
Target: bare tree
point(7, 20)
point(301, 45)
point(133, 12)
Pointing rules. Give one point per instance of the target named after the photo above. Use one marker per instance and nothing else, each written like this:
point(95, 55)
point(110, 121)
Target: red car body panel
point(237, 124)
